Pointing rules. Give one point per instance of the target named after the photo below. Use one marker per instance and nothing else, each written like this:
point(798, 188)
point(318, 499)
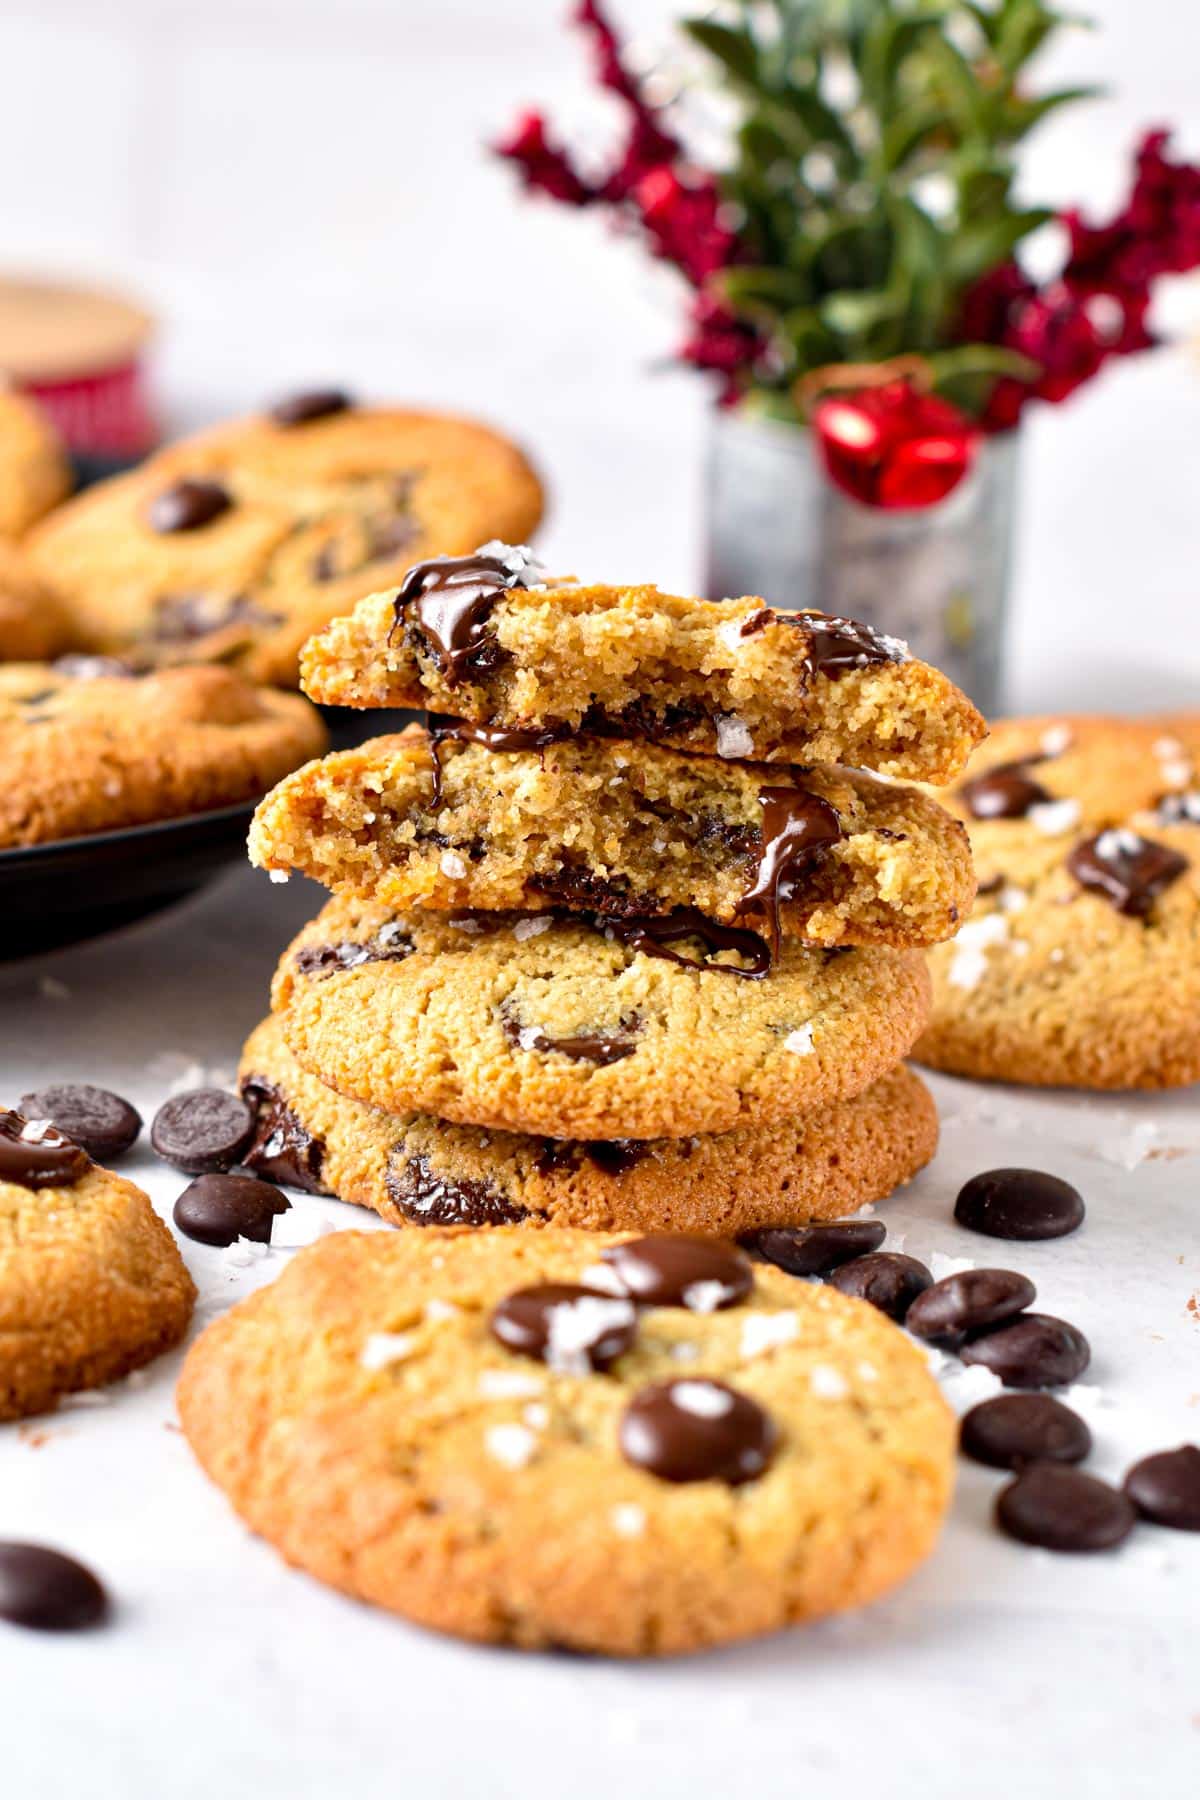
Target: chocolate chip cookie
point(830, 855)
point(87, 745)
point(32, 624)
point(235, 545)
point(484, 638)
point(418, 1170)
point(573, 1028)
point(34, 472)
point(631, 1447)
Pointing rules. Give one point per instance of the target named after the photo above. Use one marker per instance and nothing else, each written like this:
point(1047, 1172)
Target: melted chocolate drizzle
point(836, 645)
point(797, 826)
point(449, 601)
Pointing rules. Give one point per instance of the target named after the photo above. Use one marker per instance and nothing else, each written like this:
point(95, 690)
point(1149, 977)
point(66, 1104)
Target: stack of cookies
point(625, 937)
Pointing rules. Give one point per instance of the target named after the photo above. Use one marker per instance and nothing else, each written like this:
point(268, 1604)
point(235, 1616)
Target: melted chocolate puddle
point(448, 601)
point(797, 827)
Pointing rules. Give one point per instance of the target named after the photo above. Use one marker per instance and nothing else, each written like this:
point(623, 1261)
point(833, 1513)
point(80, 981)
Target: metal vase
point(936, 576)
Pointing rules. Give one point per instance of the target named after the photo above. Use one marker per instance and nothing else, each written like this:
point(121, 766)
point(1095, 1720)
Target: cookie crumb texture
point(620, 828)
point(422, 1171)
point(1050, 982)
point(91, 1286)
point(428, 1482)
point(34, 471)
point(313, 512)
point(697, 674)
point(92, 752)
point(570, 1034)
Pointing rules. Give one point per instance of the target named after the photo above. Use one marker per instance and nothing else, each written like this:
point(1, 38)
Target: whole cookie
point(34, 472)
point(91, 1283)
point(418, 1170)
point(487, 638)
point(86, 745)
point(1078, 965)
point(477, 1431)
point(558, 1026)
point(236, 544)
point(32, 624)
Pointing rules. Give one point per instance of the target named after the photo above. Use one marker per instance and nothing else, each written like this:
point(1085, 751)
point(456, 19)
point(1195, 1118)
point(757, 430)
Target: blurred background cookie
point(34, 472)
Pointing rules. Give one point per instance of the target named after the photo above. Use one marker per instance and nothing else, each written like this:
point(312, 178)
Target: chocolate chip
point(391, 943)
point(889, 1281)
point(671, 1269)
point(612, 1156)
point(448, 602)
point(1005, 792)
point(301, 409)
point(968, 1301)
point(697, 1430)
point(1060, 1508)
point(572, 1328)
point(1165, 1487)
point(653, 934)
point(1032, 1351)
point(429, 1197)
point(202, 1132)
point(1130, 871)
point(836, 646)
point(281, 1148)
point(186, 506)
point(1024, 1204)
point(47, 1591)
point(815, 1249)
point(34, 1154)
point(218, 1209)
point(797, 827)
point(600, 1048)
point(1015, 1429)
point(104, 1124)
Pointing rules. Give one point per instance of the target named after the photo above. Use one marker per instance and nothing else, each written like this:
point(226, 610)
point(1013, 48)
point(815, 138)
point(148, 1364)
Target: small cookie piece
point(361, 1415)
point(559, 1026)
point(34, 472)
point(91, 1282)
point(1078, 966)
point(32, 624)
point(86, 747)
point(485, 639)
point(418, 1170)
point(236, 544)
point(830, 855)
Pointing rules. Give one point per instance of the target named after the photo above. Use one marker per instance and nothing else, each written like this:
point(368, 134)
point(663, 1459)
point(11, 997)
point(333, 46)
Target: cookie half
point(830, 855)
point(721, 1474)
point(484, 639)
point(418, 1170)
point(552, 1026)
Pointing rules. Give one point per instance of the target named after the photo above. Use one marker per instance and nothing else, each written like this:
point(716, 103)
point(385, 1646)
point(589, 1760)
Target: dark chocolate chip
point(612, 1156)
point(653, 935)
point(1165, 1487)
point(301, 409)
point(1060, 1508)
point(968, 1301)
point(428, 1197)
point(1031, 1351)
point(572, 1328)
point(836, 646)
point(1015, 1429)
point(889, 1281)
point(1024, 1204)
point(218, 1209)
point(815, 1249)
point(47, 1591)
point(391, 943)
point(672, 1269)
point(1177, 809)
point(104, 1124)
point(601, 1048)
point(1005, 792)
point(1130, 871)
point(187, 505)
point(448, 602)
point(34, 1154)
point(281, 1148)
point(203, 1132)
point(697, 1430)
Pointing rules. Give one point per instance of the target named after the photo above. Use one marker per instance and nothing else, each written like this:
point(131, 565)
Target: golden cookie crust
point(1048, 983)
point(438, 1030)
point(593, 823)
point(91, 1286)
point(384, 1482)
point(32, 624)
point(34, 472)
point(83, 754)
point(319, 511)
point(422, 1171)
point(723, 668)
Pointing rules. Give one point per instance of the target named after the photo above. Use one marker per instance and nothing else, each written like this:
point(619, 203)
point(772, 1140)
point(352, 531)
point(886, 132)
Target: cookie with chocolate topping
point(726, 678)
point(587, 1027)
point(830, 855)
point(491, 1438)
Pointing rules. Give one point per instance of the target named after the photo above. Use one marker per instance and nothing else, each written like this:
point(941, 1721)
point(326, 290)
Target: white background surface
point(299, 189)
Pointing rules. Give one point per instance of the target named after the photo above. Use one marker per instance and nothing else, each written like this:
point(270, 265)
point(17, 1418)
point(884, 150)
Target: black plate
point(55, 894)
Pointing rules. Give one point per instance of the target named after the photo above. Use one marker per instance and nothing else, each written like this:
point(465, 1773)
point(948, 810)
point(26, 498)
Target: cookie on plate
point(87, 745)
point(481, 1432)
point(484, 639)
point(32, 624)
point(418, 1170)
point(91, 1282)
point(34, 472)
point(235, 545)
point(1080, 965)
point(830, 855)
point(566, 1028)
